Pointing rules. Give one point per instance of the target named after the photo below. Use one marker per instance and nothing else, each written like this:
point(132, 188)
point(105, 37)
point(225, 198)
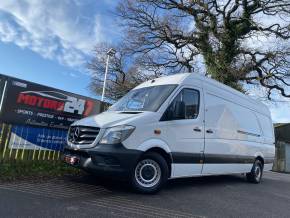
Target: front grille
point(82, 134)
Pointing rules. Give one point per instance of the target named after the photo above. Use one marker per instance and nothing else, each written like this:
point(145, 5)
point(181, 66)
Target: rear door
point(185, 135)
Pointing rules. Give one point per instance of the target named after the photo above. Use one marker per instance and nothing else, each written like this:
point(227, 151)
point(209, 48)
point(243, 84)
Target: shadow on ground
point(172, 185)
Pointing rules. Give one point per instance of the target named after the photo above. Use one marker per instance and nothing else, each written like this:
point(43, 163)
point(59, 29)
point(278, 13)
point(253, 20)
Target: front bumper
point(107, 160)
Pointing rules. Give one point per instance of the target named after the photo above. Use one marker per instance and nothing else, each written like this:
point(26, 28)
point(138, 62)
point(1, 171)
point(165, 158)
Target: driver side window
point(184, 106)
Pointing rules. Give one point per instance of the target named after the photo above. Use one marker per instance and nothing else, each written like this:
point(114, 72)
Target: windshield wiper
point(131, 112)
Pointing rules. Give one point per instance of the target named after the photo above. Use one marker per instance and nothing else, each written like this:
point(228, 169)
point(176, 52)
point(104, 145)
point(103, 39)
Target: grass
point(35, 170)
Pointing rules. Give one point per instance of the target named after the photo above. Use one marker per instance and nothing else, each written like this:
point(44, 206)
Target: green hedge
point(36, 170)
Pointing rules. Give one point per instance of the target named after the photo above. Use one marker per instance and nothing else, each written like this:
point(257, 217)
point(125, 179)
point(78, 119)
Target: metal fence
point(16, 146)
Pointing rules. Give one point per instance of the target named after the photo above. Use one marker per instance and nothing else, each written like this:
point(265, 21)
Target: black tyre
point(255, 176)
point(150, 173)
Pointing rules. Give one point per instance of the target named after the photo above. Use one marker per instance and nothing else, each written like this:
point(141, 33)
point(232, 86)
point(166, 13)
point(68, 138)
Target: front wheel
point(150, 173)
point(255, 176)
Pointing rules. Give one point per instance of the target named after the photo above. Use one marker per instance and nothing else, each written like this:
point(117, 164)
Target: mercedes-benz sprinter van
point(175, 126)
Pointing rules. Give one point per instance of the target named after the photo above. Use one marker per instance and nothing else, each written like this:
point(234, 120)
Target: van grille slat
point(88, 136)
point(84, 142)
point(82, 134)
point(84, 129)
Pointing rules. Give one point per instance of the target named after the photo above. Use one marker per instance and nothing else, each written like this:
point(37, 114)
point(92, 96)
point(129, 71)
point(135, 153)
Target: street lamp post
point(110, 53)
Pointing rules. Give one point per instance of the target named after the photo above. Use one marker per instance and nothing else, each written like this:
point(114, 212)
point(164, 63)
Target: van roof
point(186, 77)
point(165, 80)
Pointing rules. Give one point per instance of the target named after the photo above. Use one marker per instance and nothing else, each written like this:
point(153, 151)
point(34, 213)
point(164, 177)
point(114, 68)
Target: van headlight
point(117, 134)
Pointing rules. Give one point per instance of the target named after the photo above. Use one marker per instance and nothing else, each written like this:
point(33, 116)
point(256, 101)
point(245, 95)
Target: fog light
point(72, 160)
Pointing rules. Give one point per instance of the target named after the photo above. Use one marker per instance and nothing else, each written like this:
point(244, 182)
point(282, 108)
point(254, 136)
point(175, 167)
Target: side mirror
point(179, 110)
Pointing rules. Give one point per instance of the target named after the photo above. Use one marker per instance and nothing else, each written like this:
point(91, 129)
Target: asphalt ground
point(88, 196)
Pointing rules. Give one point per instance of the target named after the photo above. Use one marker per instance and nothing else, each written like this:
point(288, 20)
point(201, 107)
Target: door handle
point(209, 131)
point(196, 129)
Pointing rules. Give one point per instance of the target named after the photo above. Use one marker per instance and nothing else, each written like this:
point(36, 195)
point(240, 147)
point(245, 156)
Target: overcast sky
point(50, 42)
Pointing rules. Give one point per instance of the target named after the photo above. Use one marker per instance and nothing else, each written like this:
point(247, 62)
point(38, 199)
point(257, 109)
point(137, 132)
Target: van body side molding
point(228, 159)
point(200, 158)
point(186, 158)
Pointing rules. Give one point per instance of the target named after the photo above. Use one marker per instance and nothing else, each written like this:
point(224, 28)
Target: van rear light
point(82, 134)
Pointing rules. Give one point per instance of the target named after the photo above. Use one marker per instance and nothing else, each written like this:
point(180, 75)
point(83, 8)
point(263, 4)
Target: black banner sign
point(29, 103)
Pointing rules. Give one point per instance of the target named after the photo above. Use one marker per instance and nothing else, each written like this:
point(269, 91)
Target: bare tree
point(124, 73)
point(173, 34)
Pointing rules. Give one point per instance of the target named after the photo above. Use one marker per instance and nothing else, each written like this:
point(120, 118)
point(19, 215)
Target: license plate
point(72, 160)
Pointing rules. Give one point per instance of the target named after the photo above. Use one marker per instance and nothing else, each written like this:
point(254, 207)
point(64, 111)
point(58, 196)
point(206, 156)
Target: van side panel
point(229, 120)
point(236, 134)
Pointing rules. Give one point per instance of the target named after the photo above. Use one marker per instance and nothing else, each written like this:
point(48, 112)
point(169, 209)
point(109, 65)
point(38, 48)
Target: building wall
point(282, 157)
point(287, 158)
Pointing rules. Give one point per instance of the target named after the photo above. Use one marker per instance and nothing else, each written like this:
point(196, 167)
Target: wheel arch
point(260, 156)
point(154, 143)
point(160, 147)
point(165, 155)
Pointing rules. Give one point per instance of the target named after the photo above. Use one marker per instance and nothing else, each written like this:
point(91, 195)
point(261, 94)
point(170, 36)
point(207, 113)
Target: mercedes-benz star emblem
point(76, 134)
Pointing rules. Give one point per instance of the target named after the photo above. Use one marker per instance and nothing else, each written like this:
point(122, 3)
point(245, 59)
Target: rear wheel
point(150, 173)
point(255, 176)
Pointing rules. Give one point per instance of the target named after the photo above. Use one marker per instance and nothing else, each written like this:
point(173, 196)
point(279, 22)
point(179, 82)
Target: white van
point(176, 126)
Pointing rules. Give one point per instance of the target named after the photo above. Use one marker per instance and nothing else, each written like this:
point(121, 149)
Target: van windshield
point(144, 99)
